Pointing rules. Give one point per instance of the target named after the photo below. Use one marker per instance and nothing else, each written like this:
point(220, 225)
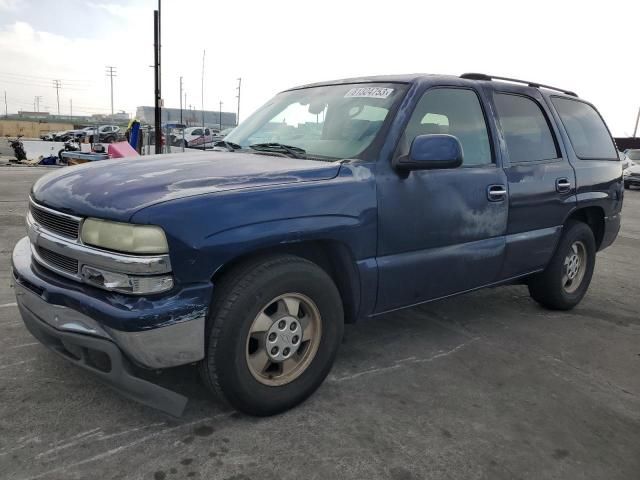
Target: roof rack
point(482, 76)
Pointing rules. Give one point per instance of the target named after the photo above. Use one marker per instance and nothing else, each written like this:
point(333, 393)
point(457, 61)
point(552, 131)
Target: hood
point(116, 189)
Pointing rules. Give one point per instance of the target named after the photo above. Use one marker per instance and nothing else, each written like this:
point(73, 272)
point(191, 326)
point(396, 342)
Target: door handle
point(496, 193)
point(563, 185)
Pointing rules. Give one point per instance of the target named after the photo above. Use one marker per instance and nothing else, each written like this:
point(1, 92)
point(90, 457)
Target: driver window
point(453, 111)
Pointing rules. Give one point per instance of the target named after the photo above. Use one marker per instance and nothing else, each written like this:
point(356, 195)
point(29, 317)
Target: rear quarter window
point(587, 132)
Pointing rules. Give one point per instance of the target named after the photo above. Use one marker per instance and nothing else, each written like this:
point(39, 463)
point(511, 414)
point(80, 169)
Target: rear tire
point(563, 284)
point(243, 330)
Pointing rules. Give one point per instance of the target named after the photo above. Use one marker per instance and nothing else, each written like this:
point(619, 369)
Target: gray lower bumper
point(91, 353)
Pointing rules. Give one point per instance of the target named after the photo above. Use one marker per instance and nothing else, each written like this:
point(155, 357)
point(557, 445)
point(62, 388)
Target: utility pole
point(635, 130)
point(111, 72)
point(238, 97)
point(71, 107)
point(156, 70)
point(202, 90)
point(6, 110)
point(159, 46)
point(220, 115)
point(36, 102)
point(181, 100)
point(57, 84)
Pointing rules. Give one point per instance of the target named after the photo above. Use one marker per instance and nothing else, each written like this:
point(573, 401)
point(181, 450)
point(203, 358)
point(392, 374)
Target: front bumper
point(152, 332)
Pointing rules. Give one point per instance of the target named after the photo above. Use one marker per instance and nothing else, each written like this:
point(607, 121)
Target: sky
point(588, 47)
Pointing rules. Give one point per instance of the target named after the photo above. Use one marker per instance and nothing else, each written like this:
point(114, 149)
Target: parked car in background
point(371, 195)
point(631, 168)
point(47, 137)
point(63, 135)
point(195, 137)
point(226, 132)
point(106, 134)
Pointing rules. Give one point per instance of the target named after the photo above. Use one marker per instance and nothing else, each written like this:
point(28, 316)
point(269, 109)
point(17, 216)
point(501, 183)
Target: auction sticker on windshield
point(369, 92)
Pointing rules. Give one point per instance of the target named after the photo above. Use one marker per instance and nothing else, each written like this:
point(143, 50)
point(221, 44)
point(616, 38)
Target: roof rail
point(482, 76)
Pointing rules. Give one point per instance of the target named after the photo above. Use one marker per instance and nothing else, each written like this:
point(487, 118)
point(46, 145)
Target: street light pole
point(635, 130)
point(220, 115)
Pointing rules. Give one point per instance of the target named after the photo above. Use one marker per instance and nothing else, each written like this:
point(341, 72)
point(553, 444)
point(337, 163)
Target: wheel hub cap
point(574, 267)
point(283, 338)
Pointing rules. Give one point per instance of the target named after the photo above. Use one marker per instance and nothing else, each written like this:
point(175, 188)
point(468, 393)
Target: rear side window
point(587, 132)
point(526, 130)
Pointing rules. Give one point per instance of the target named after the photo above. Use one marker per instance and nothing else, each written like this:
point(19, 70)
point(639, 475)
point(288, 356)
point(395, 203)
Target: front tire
point(563, 284)
point(272, 334)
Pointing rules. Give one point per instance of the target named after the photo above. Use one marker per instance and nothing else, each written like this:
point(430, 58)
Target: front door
point(442, 231)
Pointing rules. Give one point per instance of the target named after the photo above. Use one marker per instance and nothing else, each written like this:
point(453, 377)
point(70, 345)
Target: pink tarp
point(121, 149)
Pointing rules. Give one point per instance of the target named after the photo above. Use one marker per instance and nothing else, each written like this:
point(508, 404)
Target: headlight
point(124, 237)
point(121, 282)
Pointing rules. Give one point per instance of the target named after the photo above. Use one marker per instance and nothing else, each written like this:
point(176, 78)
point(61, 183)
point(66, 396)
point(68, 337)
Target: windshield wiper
point(295, 152)
point(228, 145)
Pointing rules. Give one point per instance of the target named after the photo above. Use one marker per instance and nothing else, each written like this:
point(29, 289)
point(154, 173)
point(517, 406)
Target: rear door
point(540, 178)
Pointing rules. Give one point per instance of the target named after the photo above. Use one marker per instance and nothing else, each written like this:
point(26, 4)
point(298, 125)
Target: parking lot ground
point(483, 386)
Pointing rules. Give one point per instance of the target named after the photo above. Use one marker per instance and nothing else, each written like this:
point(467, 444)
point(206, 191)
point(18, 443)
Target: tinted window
point(525, 129)
point(633, 155)
point(197, 131)
point(453, 111)
point(587, 132)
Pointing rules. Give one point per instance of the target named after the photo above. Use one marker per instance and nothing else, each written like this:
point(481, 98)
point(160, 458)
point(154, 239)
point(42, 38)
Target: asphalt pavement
point(487, 385)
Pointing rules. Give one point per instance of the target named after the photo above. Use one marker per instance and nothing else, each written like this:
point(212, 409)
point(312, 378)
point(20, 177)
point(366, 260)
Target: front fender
point(207, 231)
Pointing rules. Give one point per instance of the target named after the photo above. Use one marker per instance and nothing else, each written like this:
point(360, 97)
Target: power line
point(31, 84)
point(35, 77)
point(111, 72)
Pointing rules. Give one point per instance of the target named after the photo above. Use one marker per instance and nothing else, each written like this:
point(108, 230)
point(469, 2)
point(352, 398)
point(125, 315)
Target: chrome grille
point(55, 222)
point(58, 261)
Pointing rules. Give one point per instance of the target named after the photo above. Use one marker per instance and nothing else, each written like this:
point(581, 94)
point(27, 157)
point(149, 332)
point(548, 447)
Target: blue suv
point(333, 202)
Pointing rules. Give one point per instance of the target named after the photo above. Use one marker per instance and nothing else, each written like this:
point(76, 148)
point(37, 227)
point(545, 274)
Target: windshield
point(332, 122)
point(633, 155)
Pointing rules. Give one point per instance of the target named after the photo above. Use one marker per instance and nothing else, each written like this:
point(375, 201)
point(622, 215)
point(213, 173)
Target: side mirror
point(431, 152)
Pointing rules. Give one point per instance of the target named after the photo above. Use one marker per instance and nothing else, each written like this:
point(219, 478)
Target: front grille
point(56, 223)
point(58, 261)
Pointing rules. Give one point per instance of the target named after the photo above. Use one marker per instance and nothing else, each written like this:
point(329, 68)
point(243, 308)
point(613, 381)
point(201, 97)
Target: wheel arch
point(594, 217)
point(333, 256)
